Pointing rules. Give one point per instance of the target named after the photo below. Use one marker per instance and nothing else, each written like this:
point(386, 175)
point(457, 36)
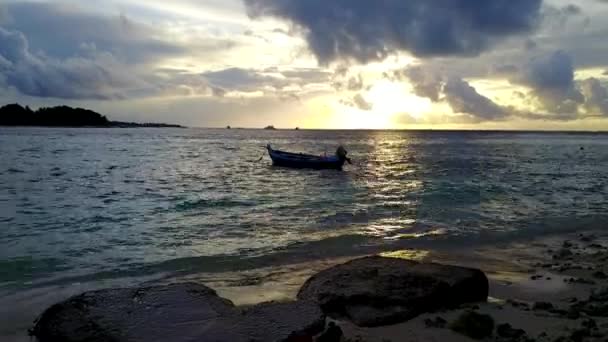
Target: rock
point(579, 335)
point(376, 291)
point(580, 281)
point(573, 314)
point(438, 322)
point(589, 324)
point(507, 331)
point(562, 254)
point(542, 306)
point(177, 312)
point(600, 275)
point(332, 334)
point(473, 325)
point(518, 304)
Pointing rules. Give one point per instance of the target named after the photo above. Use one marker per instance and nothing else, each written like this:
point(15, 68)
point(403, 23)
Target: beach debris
point(174, 313)
point(474, 325)
point(377, 291)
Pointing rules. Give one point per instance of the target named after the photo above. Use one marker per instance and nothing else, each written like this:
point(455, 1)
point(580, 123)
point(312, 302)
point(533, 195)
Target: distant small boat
point(228, 127)
point(308, 161)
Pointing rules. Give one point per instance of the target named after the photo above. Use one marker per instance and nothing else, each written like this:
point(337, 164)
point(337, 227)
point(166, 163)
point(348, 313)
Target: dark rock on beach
point(507, 331)
point(474, 325)
point(180, 312)
point(376, 291)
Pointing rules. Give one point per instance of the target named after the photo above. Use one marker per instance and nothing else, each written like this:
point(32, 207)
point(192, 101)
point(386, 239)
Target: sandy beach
point(541, 287)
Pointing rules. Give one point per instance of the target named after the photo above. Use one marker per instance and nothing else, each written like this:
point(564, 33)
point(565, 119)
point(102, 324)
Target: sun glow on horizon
point(387, 99)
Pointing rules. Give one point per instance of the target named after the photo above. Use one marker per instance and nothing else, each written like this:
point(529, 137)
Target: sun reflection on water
point(408, 254)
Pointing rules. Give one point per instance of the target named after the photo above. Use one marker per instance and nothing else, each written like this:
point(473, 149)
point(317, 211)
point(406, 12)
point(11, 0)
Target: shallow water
point(92, 205)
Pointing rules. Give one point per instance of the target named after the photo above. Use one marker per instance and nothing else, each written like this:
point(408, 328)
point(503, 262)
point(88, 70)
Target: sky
point(332, 64)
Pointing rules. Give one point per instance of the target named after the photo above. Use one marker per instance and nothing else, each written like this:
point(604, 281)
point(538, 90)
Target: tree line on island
point(62, 116)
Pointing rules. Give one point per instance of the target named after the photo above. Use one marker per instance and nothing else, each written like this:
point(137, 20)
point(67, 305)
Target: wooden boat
point(308, 161)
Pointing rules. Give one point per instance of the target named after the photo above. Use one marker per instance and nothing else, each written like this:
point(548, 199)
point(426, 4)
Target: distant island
point(63, 116)
point(270, 128)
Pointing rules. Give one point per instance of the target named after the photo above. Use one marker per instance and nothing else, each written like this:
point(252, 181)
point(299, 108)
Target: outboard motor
point(342, 154)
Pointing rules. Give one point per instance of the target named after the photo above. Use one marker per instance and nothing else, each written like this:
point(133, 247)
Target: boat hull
point(304, 161)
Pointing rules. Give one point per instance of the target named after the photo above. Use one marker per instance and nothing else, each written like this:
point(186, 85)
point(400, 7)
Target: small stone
point(518, 304)
point(589, 324)
point(474, 325)
point(600, 275)
point(567, 244)
point(579, 335)
point(542, 306)
point(573, 314)
point(562, 254)
point(332, 334)
point(438, 322)
point(507, 331)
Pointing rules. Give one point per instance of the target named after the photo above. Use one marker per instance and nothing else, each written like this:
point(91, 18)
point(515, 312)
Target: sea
point(87, 207)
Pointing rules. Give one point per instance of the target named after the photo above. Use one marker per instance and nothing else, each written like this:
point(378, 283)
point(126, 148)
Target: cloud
point(596, 96)
point(426, 83)
point(97, 76)
point(572, 9)
point(456, 92)
point(287, 84)
point(242, 79)
point(361, 103)
point(463, 98)
point(551, 78)
point(59, 30)
point(370, 30)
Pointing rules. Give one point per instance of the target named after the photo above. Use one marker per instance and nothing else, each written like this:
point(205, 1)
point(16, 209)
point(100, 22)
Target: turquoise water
point(89, 205)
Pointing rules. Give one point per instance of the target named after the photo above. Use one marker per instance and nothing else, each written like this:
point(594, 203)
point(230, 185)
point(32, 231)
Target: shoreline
point(519, 272)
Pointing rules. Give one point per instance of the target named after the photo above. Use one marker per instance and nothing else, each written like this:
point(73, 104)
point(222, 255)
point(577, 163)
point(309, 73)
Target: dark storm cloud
point(61, 51)
point(370, 30)
point(463, 98)
point(425, 82)
point(93, 77)
point(552, 79)
point(60, 31)
point(456, 92)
